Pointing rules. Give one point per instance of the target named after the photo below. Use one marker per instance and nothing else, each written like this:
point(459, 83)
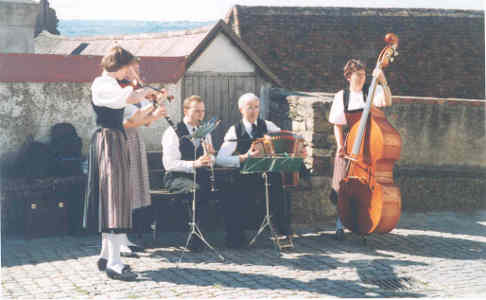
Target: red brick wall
point(441, 54)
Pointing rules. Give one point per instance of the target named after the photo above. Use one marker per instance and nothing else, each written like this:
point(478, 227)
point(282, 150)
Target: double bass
point(368, 199)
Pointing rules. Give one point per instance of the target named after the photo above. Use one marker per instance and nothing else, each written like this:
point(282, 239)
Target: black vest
point(244, 140)
point(185, 146)
point(109, 117)
point(346, 98)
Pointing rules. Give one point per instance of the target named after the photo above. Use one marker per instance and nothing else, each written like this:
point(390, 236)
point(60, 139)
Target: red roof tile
point(80, 68)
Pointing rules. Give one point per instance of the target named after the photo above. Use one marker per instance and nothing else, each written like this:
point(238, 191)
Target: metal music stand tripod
point(264, 165)
point(194, 227)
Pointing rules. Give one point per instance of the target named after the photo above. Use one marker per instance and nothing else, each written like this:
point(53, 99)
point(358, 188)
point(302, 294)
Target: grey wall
point(17, 21)
point(30, 109)
point(443, 159)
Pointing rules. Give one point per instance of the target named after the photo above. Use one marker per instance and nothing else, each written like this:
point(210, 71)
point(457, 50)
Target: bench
point(159, 195)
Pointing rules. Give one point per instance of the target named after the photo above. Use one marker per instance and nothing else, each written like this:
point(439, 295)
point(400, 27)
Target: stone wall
point(443, 158)
point(17, 21)
point(31, 109)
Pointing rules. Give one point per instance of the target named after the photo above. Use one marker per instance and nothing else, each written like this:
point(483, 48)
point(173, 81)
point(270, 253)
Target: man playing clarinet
point(178, 157)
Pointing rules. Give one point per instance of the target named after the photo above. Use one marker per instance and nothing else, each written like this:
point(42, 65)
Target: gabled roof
point(441, 51)
point(80, 68)
point(177, 43)
point(188, 43)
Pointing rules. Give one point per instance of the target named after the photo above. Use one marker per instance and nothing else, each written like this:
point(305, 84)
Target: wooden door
point(220, 92)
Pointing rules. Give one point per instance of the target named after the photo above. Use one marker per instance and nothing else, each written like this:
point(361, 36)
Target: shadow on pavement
point(230, 279)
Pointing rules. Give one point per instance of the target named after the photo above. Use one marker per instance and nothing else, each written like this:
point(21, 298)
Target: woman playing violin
point(135, 116)
point(109, 189)
point(348, 103)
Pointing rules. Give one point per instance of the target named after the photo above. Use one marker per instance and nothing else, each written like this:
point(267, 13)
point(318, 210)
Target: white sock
point(129, 242)
point(104, 246)
point(124, 243)
point(339, 224)
point(114, 260)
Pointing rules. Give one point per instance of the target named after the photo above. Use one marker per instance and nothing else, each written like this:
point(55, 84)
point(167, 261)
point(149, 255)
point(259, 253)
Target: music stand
point(274, 163)
point(199, 134)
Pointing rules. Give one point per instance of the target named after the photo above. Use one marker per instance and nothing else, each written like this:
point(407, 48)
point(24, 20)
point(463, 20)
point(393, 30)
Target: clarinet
point(212, 177)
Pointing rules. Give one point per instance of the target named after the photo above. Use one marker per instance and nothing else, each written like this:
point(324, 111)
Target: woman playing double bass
point(345, 111)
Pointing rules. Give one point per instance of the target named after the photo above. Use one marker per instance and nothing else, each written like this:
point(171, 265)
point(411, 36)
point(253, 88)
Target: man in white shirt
point(241, 197)
point(178, 156)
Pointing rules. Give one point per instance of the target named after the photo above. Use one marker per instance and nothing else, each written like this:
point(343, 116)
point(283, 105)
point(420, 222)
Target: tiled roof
point(179, 43)
point(441, 51)
point(187, 43)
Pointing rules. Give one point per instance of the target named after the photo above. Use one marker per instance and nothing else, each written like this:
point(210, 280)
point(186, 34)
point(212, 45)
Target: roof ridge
point(368, 11)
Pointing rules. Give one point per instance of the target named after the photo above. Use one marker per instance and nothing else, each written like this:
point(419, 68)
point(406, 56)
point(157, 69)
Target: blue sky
point(205, 10)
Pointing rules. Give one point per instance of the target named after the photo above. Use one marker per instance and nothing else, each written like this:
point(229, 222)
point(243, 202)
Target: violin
point(368, 199)
point(136, 84)
point(156, 99)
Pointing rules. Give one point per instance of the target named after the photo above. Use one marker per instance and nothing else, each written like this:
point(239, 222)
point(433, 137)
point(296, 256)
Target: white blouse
point(356, 101)
point(131, 109)
point(107, 92)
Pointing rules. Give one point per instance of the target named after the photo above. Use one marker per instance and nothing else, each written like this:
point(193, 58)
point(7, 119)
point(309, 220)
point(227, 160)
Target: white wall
point(222, 56)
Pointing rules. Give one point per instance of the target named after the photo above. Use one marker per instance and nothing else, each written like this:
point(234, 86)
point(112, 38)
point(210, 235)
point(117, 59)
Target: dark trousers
point(240, 204)
point(183, 183)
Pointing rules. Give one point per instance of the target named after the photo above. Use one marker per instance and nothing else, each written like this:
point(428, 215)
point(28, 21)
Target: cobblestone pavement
point(428, 255)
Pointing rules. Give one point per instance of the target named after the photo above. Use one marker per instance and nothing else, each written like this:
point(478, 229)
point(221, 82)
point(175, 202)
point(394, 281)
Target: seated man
point(247, 188)
point(178, 157)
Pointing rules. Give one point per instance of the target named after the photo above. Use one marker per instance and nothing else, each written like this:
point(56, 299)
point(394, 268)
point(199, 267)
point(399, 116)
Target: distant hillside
point(114, 27)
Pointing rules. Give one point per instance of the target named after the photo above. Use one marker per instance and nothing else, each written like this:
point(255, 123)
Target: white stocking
point(124, 243)
point(114, 260)
point(104, 246)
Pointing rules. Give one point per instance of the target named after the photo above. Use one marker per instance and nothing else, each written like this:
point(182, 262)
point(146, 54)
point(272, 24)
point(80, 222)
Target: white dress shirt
point(225, 155)
point(356, 101)
point(106, 91)
point(171, 155)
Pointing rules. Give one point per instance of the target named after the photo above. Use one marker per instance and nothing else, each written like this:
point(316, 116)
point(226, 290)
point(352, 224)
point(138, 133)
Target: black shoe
point(102, 264)
point(129, 254)
point(136, 248)
point(339, 234)
point(126, 274)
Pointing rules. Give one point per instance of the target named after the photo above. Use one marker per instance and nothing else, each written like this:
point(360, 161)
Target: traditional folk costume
point(346, 108)
point(109, 189)
point(139, 175)
point(240, 199)
point(178, 160)
point(139, 178)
